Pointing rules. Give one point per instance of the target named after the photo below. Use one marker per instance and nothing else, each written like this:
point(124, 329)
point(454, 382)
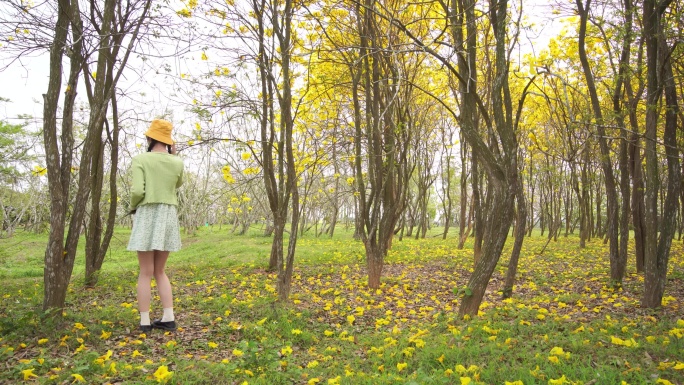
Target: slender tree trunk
point(477, 210)
point(636, 173)
point(462, 234)
point(94, 227)
point(288, 191)
point(497, 232)
point(623, 155)
point(651, 19)
point(503, 180)
point(55, 282)
point(658, 249)
point(617, 261)
point(520, 222)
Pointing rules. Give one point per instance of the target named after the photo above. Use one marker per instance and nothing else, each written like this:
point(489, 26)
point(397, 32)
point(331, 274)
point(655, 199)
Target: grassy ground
point(563, 326)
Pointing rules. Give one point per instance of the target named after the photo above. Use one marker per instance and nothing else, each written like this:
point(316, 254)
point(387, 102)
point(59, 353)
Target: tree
point(17, 202)
point(383, 130)
point(76, 41)
point(618, 260)
point(120, 23)
point(59, 257)
point(15, 145)
point(280, 176)
point(659, 80)
point(499, 157)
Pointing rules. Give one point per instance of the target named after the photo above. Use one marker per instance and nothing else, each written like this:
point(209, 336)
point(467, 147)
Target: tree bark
point(502, 176)
point(657, 249)
point(519, 233)
point(623, 150)
point(55, 282)
point(617, 262)
point(636, 170)
point(386, 139)
point(462, 232)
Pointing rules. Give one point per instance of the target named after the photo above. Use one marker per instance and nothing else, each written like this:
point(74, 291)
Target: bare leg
point(146, 262)
point(163, 283)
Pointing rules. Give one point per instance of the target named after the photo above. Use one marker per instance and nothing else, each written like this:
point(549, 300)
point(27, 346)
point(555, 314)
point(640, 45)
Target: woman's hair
point(153, 142)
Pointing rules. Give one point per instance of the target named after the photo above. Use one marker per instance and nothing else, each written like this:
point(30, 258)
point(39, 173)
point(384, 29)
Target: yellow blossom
point(28, 374)
point(162, 373)
point(559, 381)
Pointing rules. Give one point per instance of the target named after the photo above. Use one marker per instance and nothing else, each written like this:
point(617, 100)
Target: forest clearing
point(563, 325)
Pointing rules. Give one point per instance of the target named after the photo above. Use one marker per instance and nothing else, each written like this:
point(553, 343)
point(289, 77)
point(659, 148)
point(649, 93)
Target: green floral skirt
point(155, 227)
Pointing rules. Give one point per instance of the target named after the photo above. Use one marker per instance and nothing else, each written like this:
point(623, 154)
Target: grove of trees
point(383, 116)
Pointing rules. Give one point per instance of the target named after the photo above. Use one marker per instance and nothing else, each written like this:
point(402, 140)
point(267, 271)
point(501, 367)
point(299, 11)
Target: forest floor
point(564, 324)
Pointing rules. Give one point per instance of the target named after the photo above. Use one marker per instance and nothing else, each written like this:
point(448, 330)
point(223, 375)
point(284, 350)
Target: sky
point(24, 83)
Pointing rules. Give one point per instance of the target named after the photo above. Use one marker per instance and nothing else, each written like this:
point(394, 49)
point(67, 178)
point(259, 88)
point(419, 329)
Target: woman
point(156, 176)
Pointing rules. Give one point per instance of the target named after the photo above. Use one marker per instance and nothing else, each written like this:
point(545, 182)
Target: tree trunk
point(658, 249)
point(384, 133)
point(113, 193)
point(623, 154)
point(617, 261)
point(636, 173)
point(462, 235)
point(277, 245)
point(94, 228)
point(58, 263)
point(374, 263)
point(502, 175)
point(520, 221)
point(478, 224)
point(496, 234)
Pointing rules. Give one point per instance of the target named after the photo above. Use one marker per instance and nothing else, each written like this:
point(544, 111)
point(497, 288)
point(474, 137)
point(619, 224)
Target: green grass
point(336, 330)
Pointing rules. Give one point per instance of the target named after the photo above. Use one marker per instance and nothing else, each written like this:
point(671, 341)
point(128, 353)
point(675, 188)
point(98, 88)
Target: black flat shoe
point(168, 325)
point(146, 328)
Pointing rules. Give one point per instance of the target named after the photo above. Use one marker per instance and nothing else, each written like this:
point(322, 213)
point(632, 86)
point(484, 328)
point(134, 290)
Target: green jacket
point(156, 176)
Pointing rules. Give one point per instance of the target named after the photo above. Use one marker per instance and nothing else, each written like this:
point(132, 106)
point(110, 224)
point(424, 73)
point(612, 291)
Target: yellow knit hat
point(160, 130)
